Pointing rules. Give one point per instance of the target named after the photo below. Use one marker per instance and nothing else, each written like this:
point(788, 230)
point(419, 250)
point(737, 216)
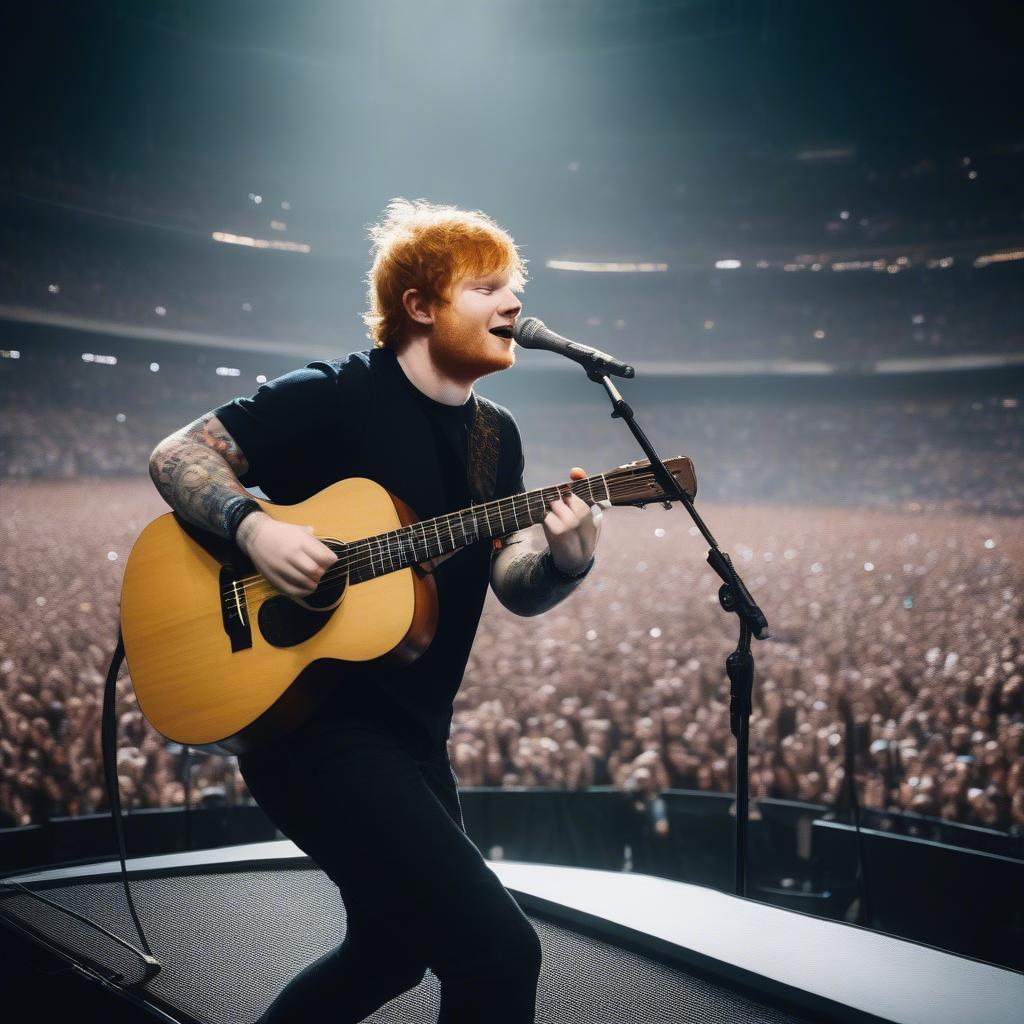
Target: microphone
point(532, 333)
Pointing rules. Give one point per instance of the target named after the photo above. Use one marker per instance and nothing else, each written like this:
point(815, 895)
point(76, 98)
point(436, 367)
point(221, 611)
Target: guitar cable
point(109, 738)
point(151, 965)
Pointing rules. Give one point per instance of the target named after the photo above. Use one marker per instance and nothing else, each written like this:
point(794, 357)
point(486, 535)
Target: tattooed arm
point(525, 580)
point(196, 471)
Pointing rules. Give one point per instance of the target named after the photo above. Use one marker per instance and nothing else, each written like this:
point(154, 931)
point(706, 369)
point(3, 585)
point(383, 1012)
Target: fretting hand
point(572, 529)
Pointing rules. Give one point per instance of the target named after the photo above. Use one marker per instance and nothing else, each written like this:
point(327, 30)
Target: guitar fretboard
point(410, 545)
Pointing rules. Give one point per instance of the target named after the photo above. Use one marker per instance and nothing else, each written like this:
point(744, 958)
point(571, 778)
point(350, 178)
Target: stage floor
point(230, 926)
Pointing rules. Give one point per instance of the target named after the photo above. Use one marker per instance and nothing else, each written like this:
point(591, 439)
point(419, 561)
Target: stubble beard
point(461, 354)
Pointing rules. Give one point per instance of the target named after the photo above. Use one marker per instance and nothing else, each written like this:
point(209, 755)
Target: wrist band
point(237, 509)
point(564, 576)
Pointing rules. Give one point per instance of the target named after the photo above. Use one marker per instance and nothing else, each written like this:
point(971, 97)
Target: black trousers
point(385, 824)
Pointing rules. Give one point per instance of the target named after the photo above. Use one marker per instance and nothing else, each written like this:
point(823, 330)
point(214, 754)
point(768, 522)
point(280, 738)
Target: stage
point(231, 926)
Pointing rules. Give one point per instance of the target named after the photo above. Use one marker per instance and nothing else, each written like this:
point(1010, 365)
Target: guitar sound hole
point(285, 623)
point(332, 585)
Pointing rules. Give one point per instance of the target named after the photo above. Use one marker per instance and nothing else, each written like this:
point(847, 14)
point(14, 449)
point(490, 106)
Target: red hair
point(428, 247)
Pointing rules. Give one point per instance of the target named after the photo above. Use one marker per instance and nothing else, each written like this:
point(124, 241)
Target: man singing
point(365, 787)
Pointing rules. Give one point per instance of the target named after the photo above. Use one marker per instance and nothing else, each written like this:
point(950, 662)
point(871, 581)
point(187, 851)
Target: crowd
point(912, 612)
point(65, 419)
point(912, 617)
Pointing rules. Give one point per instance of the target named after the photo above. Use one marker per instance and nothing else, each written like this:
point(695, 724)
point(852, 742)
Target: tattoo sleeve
point(196, 471)
point(529, 585)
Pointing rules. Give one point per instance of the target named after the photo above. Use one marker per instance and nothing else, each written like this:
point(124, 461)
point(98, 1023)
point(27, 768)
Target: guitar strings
point(376, 551)
point(257, 586)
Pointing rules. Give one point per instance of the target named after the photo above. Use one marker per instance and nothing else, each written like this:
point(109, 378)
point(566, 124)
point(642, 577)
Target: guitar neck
point(410, 545)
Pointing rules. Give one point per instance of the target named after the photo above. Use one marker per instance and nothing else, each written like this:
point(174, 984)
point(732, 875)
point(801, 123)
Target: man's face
point(461, 344)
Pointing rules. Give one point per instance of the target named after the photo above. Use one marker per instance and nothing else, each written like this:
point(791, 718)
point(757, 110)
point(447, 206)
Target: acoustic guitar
point(221, 660)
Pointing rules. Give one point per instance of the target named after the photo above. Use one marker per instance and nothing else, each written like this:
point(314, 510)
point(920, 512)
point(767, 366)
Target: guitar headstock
point(636, 484)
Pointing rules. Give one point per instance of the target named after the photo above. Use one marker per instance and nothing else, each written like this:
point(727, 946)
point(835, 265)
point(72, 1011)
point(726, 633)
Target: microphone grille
point(526, 329)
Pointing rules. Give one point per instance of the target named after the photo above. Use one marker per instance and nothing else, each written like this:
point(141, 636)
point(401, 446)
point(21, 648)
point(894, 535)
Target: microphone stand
point(733, 596)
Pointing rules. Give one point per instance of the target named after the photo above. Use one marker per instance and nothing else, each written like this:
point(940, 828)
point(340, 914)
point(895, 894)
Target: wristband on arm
point(235, 510)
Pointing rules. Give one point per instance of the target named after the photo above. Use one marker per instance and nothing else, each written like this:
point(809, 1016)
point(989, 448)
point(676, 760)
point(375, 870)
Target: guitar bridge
point(234, 610)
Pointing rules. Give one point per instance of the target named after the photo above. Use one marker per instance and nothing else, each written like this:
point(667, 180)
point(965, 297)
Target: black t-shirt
point(362, 416)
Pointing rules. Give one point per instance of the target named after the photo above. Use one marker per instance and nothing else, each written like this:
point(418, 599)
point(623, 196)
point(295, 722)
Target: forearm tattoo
point(196, 472)
point(530, 585)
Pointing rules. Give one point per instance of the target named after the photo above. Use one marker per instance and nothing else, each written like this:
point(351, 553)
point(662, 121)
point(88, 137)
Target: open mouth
point(502, 332)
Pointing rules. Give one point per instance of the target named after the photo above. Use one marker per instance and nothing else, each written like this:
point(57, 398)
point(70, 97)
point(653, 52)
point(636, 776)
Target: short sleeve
point(282, 428)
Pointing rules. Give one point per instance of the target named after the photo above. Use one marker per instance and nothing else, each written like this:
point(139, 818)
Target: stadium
point(803, 227)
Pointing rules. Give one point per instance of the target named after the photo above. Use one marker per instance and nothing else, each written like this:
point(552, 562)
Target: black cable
point(109, 739)
point(145, 958)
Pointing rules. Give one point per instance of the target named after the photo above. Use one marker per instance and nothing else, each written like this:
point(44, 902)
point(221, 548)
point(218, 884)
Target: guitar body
point(222, 665)
point(220, 660)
